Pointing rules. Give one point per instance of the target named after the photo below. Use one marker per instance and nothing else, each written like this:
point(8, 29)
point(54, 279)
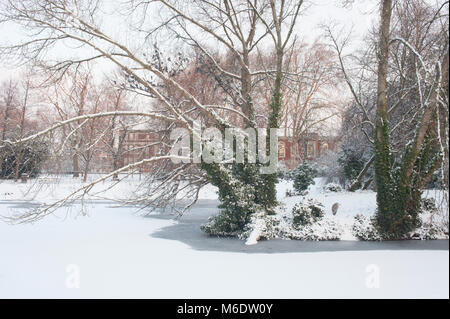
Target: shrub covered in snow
point(328, 228)
point(261, 227)
point(303, 177)
point(306, 221)
point(283, 172)
point(224, 224)
point(429, 230)
point(431, 224)
point(306, 213)
point(239, 197)
point(363, 228)
point(333, 187)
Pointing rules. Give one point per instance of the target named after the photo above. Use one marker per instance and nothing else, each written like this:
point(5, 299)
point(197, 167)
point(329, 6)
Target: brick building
point(140, 144)
point(292, 152)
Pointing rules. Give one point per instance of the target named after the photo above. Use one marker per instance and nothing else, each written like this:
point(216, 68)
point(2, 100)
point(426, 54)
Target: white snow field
point(115, 253)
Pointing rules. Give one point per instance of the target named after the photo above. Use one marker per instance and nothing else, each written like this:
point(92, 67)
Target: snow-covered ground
point(114, 252)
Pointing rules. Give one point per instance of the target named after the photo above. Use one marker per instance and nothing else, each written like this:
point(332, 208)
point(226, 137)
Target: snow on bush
point(306, 213)
point(364, 227)
point(223, 224)
point(283, 172)
point(306, 221)
point(262, 227)
point(431, 225)
point(429, 231)
point(328, 228)
point(333, 187)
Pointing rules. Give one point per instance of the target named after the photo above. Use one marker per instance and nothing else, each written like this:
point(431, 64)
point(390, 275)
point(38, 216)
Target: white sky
point(359, 16)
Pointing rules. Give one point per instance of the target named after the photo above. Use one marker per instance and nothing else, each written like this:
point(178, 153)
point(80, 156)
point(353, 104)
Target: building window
point(323, 148)
point(310, 149)
point(281, 150)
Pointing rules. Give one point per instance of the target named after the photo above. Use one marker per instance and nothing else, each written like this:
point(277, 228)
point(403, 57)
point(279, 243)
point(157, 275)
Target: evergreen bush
point(303, 177)
point(306, 213)
point(333, 187)
point(30, 157)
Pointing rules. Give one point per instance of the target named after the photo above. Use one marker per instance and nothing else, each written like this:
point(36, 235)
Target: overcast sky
point(360, 16)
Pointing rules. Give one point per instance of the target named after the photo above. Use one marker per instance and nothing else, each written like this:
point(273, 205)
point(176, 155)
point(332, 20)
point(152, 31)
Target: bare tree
point(309, 103)
point(72, 96)
point(114, 139)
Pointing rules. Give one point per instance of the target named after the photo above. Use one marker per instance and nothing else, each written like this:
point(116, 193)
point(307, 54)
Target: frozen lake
point(114, 252)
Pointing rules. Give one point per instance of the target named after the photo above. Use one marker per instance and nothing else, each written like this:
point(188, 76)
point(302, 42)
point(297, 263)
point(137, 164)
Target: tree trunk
point(383, 157)
point(21, 132)
point(76, 167)
point(357, 183)
point(115, 167)
point(274, 118)
point(18, 162)
point(86, 171)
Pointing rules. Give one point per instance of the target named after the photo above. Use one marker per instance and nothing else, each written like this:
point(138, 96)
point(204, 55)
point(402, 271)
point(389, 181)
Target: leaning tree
point(226, 34)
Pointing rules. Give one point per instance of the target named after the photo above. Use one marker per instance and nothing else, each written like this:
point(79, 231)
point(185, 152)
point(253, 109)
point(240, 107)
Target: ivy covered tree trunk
point(243, 189)
point(247, 191)
point(274, 118)
point(400, 185)
point(383, 157)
